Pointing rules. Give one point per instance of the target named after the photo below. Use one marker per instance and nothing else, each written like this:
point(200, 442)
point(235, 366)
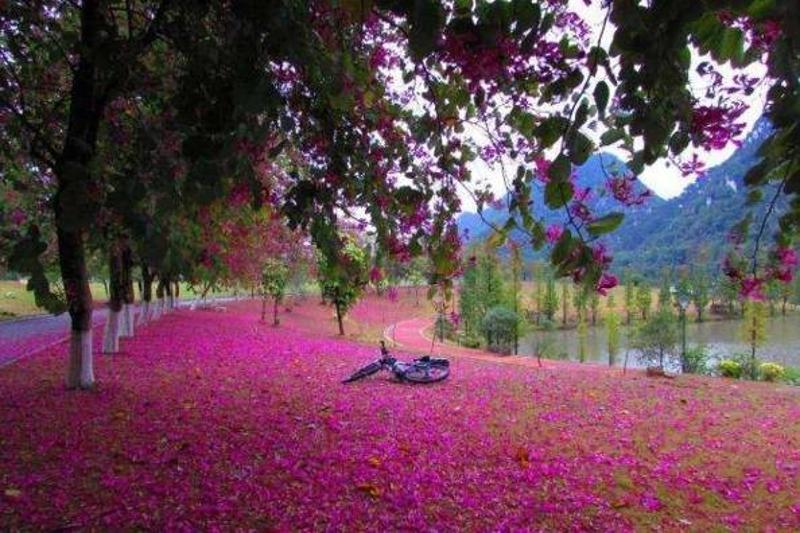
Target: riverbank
point(216, 420)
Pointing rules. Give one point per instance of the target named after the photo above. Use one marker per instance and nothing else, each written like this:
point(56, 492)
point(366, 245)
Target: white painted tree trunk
point(144, 314)
point(81, 370)
point(111, 332)
point(160, 307)
point(127, 321)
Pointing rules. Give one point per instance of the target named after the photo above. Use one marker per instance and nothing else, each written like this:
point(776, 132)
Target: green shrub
point(748, 364)
point(470, 341)
point(499, 327)
point(791, 375)
point(728, 368)
point(770, 371)
point(696, 360)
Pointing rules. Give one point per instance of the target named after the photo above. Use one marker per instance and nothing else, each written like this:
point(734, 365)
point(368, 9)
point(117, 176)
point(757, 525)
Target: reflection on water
point(722, 337)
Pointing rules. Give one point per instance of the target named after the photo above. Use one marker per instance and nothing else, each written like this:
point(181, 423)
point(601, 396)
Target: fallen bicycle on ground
point(422, 370)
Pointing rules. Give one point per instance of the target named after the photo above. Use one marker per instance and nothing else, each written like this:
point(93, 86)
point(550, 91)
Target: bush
point(728, 368)
point(791, 375)
point(748, 364)
point(470, 341)
point(770, 371)
point(696, 360)
point(499, 327)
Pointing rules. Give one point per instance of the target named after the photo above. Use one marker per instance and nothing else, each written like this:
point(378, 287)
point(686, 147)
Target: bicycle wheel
point(426, 373)
point(361, 373)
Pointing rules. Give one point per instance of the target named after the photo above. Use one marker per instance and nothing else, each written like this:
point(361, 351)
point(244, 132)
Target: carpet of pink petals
point(214, 421)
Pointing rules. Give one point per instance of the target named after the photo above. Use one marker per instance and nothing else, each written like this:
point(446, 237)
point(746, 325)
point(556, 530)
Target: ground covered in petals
point(215, 420)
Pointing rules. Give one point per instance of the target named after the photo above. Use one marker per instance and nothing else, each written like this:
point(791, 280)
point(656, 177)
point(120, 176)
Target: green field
point(17, 302)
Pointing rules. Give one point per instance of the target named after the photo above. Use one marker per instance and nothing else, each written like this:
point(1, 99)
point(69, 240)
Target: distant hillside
point(662, 232)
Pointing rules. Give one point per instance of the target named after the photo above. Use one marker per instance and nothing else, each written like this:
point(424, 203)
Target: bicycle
point(422, 370)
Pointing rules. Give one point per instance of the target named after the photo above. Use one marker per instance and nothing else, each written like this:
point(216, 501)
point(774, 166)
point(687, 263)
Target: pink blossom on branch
point(554, 232)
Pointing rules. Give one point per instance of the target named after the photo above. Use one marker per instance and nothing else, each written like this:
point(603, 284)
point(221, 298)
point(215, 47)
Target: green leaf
point(550, 130)
point(557, 193)
point(560, 169)
point(562, 249)
point(678, 142)
point(522, 121)
point(611, 136)
point(732, 45)
point(601, 96)
point(605, 224)
point(426, 21)
point(754, 196)
point(760, 8)
point(580, 148)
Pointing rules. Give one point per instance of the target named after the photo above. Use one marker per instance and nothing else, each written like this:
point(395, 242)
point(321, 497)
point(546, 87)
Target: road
point(26, 336)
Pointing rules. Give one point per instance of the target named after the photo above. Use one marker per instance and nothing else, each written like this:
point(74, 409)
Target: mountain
point(661, 232)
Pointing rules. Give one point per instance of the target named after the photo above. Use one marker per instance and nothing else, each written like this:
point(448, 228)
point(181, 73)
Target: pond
point(722, 338)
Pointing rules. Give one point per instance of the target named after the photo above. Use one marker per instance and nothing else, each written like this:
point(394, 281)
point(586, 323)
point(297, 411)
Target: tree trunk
point(783, 305)
point(127, 293)
point(264, 308)
point(275, 320)
point(147, 294)
point(111, 333)
point(160, 297)
point(73, 182)
point(72, 262)
point(339, 318)
point(176, 294)
point(168, 294)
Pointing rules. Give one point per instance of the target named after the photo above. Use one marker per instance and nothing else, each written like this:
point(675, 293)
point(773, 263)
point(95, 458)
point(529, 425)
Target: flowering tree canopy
point(139, 114)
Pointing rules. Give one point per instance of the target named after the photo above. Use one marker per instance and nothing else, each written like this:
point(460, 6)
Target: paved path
point(27, 336)
point(410, 335)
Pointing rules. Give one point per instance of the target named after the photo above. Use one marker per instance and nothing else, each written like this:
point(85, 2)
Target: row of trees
point(139, 128)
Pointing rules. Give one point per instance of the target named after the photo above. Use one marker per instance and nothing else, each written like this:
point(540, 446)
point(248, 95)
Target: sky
point(662, 178)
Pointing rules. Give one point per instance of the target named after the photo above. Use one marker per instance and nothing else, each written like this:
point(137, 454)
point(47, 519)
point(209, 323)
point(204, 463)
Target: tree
point(343, 276)
point(469, 306)
point(664, 291)
point(656, 338)
point(630, 298)
point(727, 291)
point(539, 281)
point(516, 289)
point(773, 293)
point(643, 300)
point(499, 328)
point(550, 300)
point(326, 89)
point(594, 304)
point(273, 283)
point(612, 321)
point(564, 303)
point(700, 285)
point(787, 290)
point(753, 332)
point(491, 288)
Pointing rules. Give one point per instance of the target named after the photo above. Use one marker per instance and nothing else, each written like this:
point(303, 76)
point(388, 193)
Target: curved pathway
point(410, 335)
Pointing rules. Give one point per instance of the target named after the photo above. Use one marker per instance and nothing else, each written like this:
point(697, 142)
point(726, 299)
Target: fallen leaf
point(369, 488)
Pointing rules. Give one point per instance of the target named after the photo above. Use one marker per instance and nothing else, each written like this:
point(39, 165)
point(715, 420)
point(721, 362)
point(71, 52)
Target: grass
point(17, 302)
